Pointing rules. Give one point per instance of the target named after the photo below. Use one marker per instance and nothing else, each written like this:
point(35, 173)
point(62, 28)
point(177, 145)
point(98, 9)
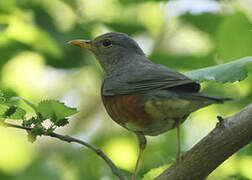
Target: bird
point(144, 97)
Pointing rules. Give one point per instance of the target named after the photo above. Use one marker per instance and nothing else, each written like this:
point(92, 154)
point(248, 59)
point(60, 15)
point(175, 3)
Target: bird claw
point(221, 122)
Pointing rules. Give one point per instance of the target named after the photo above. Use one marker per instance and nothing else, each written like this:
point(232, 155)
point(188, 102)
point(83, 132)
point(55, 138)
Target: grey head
point(112, 49)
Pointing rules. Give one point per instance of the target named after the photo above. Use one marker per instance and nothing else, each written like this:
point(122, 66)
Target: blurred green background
point(37, 63)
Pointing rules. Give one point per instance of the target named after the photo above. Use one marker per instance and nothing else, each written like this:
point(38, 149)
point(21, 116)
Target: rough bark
point(229, 135)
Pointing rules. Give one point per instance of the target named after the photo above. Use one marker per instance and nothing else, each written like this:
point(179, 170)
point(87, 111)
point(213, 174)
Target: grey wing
point(145, 78)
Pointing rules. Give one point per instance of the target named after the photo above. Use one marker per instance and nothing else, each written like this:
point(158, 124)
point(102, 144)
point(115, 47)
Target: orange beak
point(82, 43)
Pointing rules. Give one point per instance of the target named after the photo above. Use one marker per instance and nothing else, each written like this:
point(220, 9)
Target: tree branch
point(229, 135)
point(70, 139)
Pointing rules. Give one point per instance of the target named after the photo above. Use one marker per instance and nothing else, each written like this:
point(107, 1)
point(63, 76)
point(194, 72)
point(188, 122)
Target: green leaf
point(49, 130)
point(37, 130)
point(14, 112)
point(18, 114)
point(31, 137)
point(55, 111)
point(11, 112)
point(153, 173)
point(29, 103)
point(61, 122)
point(228, 72)
point(29, 122)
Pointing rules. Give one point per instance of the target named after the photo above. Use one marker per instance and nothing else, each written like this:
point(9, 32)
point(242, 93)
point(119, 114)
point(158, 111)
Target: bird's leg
point(142, 144)
point(178, 141)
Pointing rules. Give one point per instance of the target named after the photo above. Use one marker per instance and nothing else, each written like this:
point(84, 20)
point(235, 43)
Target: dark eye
point(106, 43)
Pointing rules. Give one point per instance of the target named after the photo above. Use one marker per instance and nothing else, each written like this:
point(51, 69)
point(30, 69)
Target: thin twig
point(70, 139)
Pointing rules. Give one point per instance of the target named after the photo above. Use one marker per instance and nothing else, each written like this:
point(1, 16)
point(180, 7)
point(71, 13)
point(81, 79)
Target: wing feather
point(144, 78)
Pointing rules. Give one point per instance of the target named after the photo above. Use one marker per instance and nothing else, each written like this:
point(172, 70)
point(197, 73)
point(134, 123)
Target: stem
point(70, 139)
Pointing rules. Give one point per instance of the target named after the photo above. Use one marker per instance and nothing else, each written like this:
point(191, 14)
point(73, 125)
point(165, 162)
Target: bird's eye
point(107, 43)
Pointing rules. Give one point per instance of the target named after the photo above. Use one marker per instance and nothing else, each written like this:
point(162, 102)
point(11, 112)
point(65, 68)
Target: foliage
point(229, 72)
point(56, 112)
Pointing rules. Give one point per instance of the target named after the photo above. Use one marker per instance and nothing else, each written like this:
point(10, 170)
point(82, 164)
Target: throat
point(111, 62)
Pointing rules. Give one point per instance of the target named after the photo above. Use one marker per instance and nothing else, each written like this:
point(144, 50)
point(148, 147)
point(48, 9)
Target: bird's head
point(111, 49)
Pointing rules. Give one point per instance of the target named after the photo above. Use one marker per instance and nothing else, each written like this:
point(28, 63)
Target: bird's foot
point(221, 122)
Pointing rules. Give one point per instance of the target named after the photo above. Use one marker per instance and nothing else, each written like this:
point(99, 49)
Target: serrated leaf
point(50, 130)
point(61, 122)
point(13, 112)
point(229, 72)
point(29, 103)
point(55, 111)
point(18, 114)
point(38, 130)
point(26, 123)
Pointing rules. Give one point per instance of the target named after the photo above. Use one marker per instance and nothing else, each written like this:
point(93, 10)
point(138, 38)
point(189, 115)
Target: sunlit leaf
point(11, 110)
point(55, 111)
point(29, 103)
point(229, 72)
point(18, 114)
point(14, 112)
